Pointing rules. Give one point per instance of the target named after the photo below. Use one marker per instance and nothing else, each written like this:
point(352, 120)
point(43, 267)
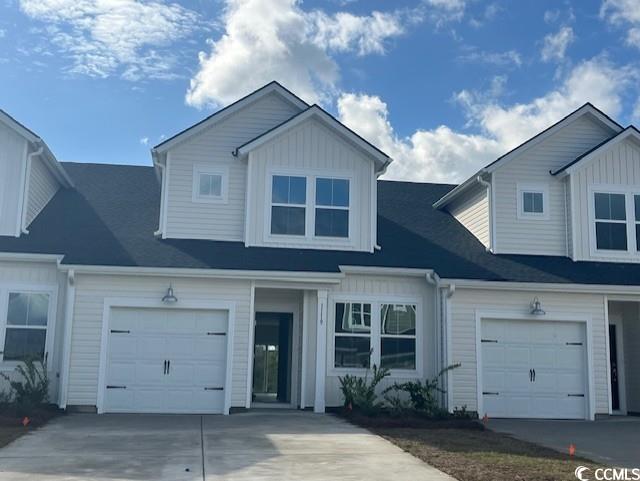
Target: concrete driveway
point(250, 446)
point(613, 441)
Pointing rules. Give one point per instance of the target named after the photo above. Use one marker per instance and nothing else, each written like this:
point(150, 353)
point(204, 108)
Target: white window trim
point(541, 188)
point(52, 292)
point(310, 208)
point(376, 337)
point(631, 254)
point(222, 171)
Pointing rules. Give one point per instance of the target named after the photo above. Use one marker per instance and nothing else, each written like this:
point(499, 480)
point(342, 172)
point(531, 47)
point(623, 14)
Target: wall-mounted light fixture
point(169, 297)
point(536, 307)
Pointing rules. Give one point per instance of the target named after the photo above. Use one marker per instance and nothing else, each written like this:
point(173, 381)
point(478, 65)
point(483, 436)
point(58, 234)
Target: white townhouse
point(260, 258)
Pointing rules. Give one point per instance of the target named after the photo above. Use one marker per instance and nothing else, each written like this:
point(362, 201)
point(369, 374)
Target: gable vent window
point(332, 207)
point(210, 184)
point(532, 203)
point(611, 221)
point(288, 205)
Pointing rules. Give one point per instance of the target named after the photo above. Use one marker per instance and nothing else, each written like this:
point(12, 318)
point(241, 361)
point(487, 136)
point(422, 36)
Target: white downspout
point(27, 183)
point(162, 168)
point(487, 185)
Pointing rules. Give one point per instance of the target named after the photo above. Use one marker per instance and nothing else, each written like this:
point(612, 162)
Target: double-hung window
point(26, 326)
point(288, 205)
point(398, 336)
point(352, 335)
point(532, 201)
point(611, 221)
point(332, 207)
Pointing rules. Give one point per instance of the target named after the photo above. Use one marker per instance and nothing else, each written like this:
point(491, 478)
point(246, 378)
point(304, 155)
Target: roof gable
point(381, 159)
point(586, 109)
point(272, 87)
point(630, 133)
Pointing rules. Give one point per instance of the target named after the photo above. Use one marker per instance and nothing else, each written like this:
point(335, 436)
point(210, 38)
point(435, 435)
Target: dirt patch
point(12, 426)
point(467, 451)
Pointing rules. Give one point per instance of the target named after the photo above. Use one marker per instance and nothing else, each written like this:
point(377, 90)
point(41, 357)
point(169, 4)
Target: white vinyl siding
point(376, 289)
point(616, 170)
point(91, 291)
point(472, 211)
point(313, 150)
point(42, 187)
point(523, 235)
point(12, 161)
point(466, 302)
point(213, 147)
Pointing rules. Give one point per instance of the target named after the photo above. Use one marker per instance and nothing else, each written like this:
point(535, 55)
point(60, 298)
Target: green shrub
point(31, 390)
point(360, 394)
point(423, 396)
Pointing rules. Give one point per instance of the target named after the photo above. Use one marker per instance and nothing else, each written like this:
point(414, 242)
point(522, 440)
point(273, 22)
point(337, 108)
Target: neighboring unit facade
point(260, 259)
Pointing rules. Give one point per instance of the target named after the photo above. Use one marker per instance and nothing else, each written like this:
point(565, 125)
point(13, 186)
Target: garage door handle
point(490, 393)
point(575, 395)
point(118, 331)
point(165, 367)
point(534, 375)
point(216, 333)
point(168, 367)
point(116, 387)
point(214, 389)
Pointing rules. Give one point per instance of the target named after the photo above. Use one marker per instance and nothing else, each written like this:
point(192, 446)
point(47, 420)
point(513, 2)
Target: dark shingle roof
point(110, 217)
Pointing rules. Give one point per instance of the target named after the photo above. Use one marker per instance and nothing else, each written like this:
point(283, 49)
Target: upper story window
point(332, 207)
point(25, 330)
point(288, 205)
point(532, 201)
point(210, 184)
point(611, 221)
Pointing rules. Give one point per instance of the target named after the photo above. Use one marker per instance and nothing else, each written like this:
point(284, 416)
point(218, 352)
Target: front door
point(613, 359)
point(272, 357)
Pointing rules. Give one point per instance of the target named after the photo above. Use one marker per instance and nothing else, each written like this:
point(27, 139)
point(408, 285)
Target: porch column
point(321, 351)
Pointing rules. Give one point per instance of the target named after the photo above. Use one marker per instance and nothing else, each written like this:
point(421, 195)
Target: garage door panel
point(524, 346)
point(136, 360)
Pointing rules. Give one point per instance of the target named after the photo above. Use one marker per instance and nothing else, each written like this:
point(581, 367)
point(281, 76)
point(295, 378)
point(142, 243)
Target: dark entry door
point(613, 359)
point(272, 357)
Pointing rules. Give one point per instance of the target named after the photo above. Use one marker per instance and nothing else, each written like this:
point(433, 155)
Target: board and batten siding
point(472, 211)
point(42, 187)
point(380, 288)
point(213, 148)
point(311, 149)
point(466, 302)
point(13, 149)
point(91, 291)
point(23, 276)
point(540, 236)
point(617, 166)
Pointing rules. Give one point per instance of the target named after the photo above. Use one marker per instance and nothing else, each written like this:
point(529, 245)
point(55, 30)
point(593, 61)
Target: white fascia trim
point(297, 276)
point(386, 271)
point(26, 257)
point(544, 287)
point(226, 112)
point(54, 166)
point(529, 144)
point(334, 124)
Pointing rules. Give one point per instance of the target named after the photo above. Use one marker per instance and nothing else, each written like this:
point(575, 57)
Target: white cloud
point(106, 37)
point(265, 40)
point(443, 154)
point(144, 141)
point(2, 33)
point(507, 58)
point(624, 13)
point(555, 45)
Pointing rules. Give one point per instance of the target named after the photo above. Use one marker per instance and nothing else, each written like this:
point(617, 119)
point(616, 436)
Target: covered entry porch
point(624, 356)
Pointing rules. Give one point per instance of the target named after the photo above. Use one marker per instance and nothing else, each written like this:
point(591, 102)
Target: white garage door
point(534, 369)
point(166, 361)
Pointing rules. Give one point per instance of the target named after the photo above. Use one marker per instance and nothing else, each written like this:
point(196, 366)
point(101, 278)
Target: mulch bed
point(11, 423)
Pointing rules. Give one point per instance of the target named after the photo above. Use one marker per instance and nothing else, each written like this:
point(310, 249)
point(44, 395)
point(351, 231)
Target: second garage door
point(534, 369)
point(166, 361)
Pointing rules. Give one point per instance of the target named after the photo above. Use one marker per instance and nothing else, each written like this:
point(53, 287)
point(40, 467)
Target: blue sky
point(444, 86)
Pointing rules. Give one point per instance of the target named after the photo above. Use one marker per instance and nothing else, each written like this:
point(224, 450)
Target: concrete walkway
point(613, 441)
point(263, 446)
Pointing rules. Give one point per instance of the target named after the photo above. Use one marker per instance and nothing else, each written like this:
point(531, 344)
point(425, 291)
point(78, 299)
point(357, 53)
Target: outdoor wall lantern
point(169, 297)
point(536, 307)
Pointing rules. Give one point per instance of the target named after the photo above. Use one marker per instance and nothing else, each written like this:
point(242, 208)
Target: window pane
point(297, 190)
point(341, 192)
point(38, 309)
point(22, 343)
point(352, 352)
point(287, 220)
point(323, 191)
point(18, 309)
point(280, 189)
point(610, 206)
point(399, 319)
point(332, 223)
point(636, 199)
point(537, 202)
point(353, 318)
point(205, 185)
point(216, 185)
point(527, 201)
point(398, 353)
point(611, 236)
